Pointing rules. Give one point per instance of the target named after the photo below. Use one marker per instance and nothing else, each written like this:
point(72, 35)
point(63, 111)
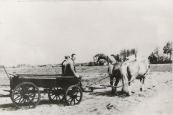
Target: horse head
point(117, 57)
point(131, 58)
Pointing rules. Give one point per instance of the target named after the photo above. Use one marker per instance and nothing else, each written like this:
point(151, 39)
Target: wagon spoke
point(71, 101)
point(59, 97)
point(17, 97)
point(50, 94)
point(77, 99)
point(31, 96)
point(17, 92)
point(54, 97)
point(24, 101)
point(78, 96)
point(29, 103)
point(74, 101)
point(76, 93)
point(21, 101)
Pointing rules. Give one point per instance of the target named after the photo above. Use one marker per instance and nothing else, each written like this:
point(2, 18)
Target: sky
point(44, 32)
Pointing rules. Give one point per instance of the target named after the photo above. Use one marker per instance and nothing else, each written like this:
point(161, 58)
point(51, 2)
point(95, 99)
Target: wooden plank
point(39, 74)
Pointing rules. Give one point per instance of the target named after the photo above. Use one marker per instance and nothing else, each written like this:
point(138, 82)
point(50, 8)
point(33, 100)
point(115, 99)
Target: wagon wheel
point(26, 95)
point(73, 95)
point(56, 94)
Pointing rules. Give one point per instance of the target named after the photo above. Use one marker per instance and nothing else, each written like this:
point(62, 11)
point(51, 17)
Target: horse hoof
point(113, 91)
point(140, 89)
point(129, 94)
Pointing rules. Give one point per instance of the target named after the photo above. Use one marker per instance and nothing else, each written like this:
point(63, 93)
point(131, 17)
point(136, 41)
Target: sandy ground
point(155, 100)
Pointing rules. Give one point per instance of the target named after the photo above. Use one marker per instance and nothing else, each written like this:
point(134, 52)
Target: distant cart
point(25, 89)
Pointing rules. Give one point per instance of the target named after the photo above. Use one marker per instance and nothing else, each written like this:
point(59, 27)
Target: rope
point(99, 80)
point(120, 85)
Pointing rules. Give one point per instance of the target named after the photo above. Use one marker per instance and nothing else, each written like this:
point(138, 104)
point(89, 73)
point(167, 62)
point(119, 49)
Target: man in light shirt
point(70, 69)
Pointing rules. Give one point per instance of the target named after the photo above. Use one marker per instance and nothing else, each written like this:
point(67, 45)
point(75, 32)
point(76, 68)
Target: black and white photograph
point(86, 57)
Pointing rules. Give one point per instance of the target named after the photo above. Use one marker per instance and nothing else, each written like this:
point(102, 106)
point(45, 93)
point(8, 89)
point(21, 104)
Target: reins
point(118, 86)
point(98, 81)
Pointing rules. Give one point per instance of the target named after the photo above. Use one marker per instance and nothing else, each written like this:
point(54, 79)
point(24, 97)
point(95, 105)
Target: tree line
point(164, 57)
point(155, 58)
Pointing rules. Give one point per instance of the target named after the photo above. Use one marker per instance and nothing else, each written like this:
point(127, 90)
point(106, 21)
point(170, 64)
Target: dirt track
point(156, 99)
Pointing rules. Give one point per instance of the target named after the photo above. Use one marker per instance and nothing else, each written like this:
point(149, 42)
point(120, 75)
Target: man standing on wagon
point(69, 69)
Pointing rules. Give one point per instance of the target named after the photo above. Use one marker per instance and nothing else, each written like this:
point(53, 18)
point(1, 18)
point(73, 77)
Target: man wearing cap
point(69, 69)
point(64, 63)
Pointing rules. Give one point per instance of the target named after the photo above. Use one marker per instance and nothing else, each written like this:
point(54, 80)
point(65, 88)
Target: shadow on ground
point(11, 106)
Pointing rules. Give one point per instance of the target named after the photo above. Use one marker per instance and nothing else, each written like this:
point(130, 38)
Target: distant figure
point(64, 63)
point(70, 69)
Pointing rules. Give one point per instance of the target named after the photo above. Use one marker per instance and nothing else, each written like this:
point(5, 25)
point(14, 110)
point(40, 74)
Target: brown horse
point(131, 70)
point(114, 73)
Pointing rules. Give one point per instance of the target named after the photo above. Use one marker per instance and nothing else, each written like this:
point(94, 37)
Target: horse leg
point(129, 89)
point(115, 84)
point(130, 77)
point(111, 83)
point(142, 80)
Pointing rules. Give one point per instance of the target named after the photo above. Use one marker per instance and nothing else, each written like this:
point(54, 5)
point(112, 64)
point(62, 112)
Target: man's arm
point(72, 69)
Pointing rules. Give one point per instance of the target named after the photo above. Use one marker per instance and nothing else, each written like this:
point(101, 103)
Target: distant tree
point(123, 54)
point(127, 52)
point(92, 64)
point(133, 51)
point(168, 49)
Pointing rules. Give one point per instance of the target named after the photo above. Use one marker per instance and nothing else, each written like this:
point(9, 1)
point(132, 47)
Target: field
point(155, 99)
